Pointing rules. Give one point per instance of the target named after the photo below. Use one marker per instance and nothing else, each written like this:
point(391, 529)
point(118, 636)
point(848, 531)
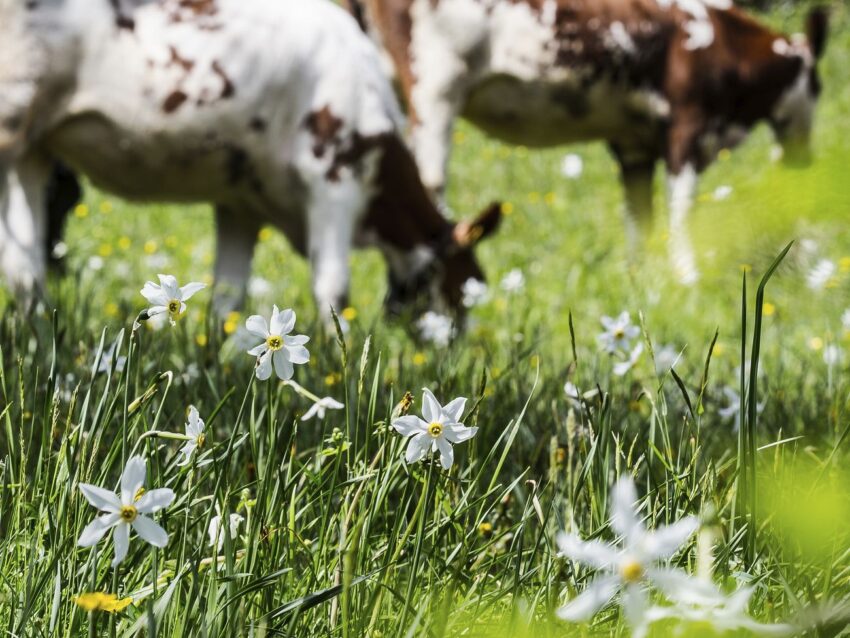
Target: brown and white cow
point(671, 80)
point(275, 112)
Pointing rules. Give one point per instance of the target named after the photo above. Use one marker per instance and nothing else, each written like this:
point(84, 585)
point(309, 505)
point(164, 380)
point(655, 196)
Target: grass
point(340, 536)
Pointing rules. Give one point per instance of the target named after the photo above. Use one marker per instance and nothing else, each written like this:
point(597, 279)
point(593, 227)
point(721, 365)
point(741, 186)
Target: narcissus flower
point(168, 297)
point(195, 430)
point(101, 601)
point(629, 567)
point(278, 349)
point(618, 333)
point(215, 531)
point(439, 430)
point(321, 406)
point(126, 512)
point(436, 328)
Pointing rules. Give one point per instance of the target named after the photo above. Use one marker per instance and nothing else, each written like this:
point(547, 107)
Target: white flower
point(126, 512)
point(157, 261)
point(95, 263)
point(573, 395)
point(191, 373)
point(621, 368)
point(259, 287)
point(214, 530)
point(168, 297)
point(733, 408)
point(820, 275)
point(666, 357)
point(60, 249)
point(572, 166)
point(319, 407)
point(628, 567)
point(722, 192)
point(832, 355)
point(845, 320)
point(514, 281)
point(278, 347)
point(724, 613)
point(197, 437)
point(475, 292)
point(107, 357)
point(618, 333)
point(438, 431)
point(436, 328)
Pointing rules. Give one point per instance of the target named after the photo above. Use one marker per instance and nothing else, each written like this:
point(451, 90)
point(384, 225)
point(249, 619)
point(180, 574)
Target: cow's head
point(792, 116)
point(432, 277)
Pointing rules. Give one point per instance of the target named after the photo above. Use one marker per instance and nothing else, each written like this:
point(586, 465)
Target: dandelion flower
point(126, 511)
point(438, 431)
point(195, 432)
point(628, 567)
point(168, 297)
point(279, 349)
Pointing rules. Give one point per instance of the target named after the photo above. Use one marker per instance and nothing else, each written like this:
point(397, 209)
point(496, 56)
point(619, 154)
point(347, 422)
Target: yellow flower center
point(202, 438)
point(274, 342)
point(128, 513)
point(631, 571)
point(174, 307)
point(435, 429)
point(619, 333)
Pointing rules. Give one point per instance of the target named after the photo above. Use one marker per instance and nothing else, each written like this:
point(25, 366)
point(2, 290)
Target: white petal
point(187, 451)
point(132, 479)
point(258, 350)
point(584, 606)
point(95, 530)
point(298, 354)
point(457, 433)
point(409, 425)
point(153, 311)
point(309, 414)
point(431, 408)
point(417, 448)
point(635, 603)
point(283, 322)
point(154, 294)
point(282, 366)
point(624, 518)
point(454, 409)
point(295, 340)
point(684, 589)
point(188, 290)
point(256, 324)
point(121, 538)
point(593, 553)
point(102, 499)
point(264, 366)
point(150, 531)
point(665, 541)
point(155, 500)
point(447, 453)
point(169, 286)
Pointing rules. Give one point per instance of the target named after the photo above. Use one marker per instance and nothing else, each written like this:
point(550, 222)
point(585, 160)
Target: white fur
point(282, 61)
point(682, 189)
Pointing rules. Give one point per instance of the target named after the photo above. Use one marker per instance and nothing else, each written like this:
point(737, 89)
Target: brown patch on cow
point(325, 128)
point(227, 89)
point(174, 101)
point(122, 21)
point(257, 124)
point(238, 165)
point(176, 59)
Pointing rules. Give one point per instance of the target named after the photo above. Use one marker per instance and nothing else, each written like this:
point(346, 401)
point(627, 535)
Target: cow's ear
point(468, 233)
point(817, 29)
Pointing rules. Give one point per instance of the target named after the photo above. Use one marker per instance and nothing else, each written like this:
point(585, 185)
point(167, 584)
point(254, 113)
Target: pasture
point(338, 535)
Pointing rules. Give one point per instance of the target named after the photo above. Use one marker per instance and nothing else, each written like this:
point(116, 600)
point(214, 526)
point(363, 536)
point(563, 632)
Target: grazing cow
point(276, 113)
point(676, 80)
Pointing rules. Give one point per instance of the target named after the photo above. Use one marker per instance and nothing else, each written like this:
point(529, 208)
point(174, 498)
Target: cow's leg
point(636, 172)
point(236, 236)
point(23, 226)
point(63, 193)
point(683, 164)
point(432, 137)
point(682, 186)
point(333, 210)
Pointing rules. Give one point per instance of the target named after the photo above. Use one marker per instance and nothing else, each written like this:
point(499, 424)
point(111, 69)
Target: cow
point(276, 113)
point(671, 80)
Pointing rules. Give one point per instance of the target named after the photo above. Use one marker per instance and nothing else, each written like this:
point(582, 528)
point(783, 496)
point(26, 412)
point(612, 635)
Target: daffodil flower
point(168, 297)
point(438, 431)
point(630, 566)
point(278, 349)
point(126, 511)
point(195, 432)
point(618, 333)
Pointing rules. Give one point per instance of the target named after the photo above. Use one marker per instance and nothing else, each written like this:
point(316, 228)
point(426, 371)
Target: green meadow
point(339, 536)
